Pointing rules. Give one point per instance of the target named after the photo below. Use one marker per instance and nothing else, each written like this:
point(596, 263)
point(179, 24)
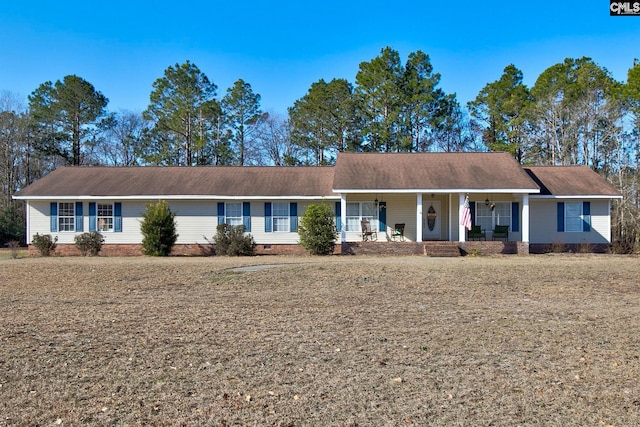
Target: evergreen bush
point(158, 229)
point(12, 224)
point(317, 229)
point(231, 240)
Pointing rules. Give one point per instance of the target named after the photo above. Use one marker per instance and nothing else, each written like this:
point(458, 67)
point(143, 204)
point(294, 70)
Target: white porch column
point(450, 231)
point(343, 217)
point(27, 206)
point(462, 235)
point(525, 218)
point(419, 217)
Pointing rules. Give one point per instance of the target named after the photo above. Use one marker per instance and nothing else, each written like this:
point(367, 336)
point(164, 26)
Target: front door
point(431, 220)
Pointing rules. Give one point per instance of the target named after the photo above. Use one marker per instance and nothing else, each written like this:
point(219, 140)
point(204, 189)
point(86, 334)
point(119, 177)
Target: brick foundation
point(349, 248)
point(178, 250)
point(382, 248)
point(588, 248)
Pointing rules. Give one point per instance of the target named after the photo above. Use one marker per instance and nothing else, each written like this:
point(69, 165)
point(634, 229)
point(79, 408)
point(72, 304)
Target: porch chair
point(367, 232)
point(501, 232)
point(398, 232)
point(476, 233)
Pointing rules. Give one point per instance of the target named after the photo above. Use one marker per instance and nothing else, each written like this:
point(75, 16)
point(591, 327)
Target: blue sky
point(282, 47)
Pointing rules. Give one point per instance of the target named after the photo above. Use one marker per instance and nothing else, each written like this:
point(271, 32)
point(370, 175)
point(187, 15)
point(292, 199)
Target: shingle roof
point(248, 181)
point(366, 172)
point(431, 171)
point(570, 181)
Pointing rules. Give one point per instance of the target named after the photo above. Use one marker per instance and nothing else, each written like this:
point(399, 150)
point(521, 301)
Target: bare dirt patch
point(539, 340)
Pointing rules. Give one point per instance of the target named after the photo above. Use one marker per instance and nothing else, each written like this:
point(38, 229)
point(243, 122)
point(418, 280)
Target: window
point(233, 213)
point(280, 216)
point(105, 216)
point(573, 216)
point(66, 216)
point(488, 218)
point(359, 211)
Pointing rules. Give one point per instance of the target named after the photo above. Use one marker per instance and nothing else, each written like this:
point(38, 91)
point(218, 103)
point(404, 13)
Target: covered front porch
point(433, 216)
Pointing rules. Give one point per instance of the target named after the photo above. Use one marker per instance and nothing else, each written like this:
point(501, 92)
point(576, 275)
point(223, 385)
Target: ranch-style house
point(396, 202)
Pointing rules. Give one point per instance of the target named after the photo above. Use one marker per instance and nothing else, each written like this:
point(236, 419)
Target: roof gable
point(431, 171)
point(571, 181)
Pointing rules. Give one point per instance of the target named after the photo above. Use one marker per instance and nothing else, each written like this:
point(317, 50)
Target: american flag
point(466, 214)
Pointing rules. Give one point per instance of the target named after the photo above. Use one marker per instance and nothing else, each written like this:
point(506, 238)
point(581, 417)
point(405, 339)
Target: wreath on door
point(431, 218)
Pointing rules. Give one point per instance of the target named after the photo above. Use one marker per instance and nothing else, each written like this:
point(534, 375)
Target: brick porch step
point(441, 249)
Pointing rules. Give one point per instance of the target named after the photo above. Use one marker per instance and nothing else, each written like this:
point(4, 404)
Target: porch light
point(486, 202)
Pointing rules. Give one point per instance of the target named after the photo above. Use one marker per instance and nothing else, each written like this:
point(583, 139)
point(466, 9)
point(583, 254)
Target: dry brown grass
point(506, 341)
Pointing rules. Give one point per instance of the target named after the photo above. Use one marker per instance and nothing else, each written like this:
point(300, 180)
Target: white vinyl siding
point(197, 220)
point(544, 229)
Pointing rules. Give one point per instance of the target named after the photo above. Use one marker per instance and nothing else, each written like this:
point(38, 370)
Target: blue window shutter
point(220, 213)
point(53, 214)
point(560, 216)
point(586, 216)
point(79, 218)
point(472, 209)
point(515, 217)
point(382, 217)
point(338, 216)
point(92, 216)
point(267, 217)
point(246, 215)
point(117, 217)
point(293, 217)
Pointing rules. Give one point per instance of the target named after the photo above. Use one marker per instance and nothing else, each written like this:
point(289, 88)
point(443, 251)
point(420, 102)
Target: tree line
point(575, 113)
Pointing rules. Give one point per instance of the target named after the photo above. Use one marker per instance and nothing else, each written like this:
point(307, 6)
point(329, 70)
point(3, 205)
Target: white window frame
point(235, 208)
point(103, 219)
point(280, 223)
point(488, 218)
point(365, 211)
point(66, 221)
point(573, 218)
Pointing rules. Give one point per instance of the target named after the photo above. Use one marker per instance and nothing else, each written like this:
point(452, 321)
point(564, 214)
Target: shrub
point(475, 252)
point(232, 241)
point(14, 246)
point(45, 244)
point(89, 243)
point(317, 229)
point(158, 229)
point(557, 246)
point(585, 248)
